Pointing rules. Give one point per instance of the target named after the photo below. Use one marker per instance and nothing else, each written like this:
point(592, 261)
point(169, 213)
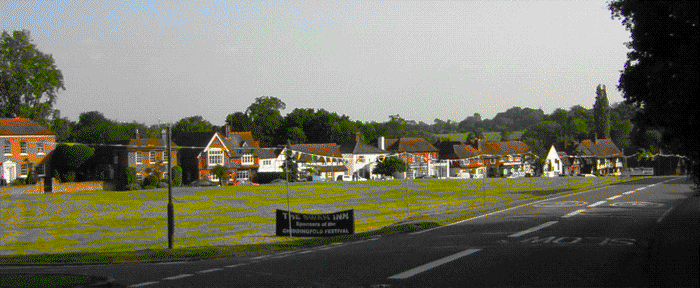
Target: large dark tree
point(93, 127)
point(29, 80)
point(661, 72)
point(601, 112)
point(265, 114)
point(192, 124)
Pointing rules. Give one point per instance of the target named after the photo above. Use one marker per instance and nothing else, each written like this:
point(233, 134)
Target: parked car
point(202, 183)
point(344, 178)
point(588, 175)
point(315, 178)
point(240, 182)
point(278, 181)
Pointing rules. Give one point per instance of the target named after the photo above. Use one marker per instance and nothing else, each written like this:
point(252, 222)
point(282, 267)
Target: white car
point(344, 178)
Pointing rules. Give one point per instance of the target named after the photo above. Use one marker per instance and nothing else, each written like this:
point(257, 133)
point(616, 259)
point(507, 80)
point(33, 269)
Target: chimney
point(136, 134)
point(357, 137)
point(380, 142)
point(228, 131)
point(478, 144)
point(595, 138)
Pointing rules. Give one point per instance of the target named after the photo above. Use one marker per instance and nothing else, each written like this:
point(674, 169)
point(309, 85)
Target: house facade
point(419, 154)
point(202, 151)
point(270, 159)
point(505, 158)
point(361, 158)
point(462, 158)
point(26, 145)
point(146, 155)
point(323, 159)
point(553, 164)
point(599, 156)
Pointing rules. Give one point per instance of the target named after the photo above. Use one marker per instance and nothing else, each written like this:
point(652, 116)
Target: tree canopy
point(29, 79)
point(601, 112)
point(660, 74)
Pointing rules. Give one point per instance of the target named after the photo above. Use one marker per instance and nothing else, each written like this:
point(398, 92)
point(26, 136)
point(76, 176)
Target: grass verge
point(127, 226)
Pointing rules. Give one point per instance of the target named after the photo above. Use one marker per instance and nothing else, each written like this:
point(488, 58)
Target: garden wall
point(57, 187)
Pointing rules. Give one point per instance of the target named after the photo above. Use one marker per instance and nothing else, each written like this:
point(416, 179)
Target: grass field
point(489, 136)
point(132, 225)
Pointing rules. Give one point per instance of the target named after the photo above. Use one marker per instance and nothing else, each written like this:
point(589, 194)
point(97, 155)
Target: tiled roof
point(409, 144)
point(455, 150)
point(360, 148)
point(22, 126)
point(269, 153)
point(321, 149)
point(143, 144)
point(240, 143)
point(564, 159)
point(505, 147)
point(599, 148)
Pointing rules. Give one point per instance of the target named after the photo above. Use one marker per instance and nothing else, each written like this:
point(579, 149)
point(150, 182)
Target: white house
point(553, 165)
point(271, 159)
point(360, 158)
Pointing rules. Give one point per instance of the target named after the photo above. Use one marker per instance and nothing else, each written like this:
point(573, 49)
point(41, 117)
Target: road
point(607, 237)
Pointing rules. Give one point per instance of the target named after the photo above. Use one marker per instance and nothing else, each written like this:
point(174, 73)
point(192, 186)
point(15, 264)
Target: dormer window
point(247, 159)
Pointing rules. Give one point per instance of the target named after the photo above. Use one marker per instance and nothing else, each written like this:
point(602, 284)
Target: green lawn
point(132, 225)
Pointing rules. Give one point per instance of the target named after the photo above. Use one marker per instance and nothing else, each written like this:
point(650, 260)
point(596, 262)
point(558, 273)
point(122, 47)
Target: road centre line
point(573, 213)
point(504, 210)
point(144, 284)
point(664, 215)
point(533, 229)
point(431, 265)
point(614, 197)
point(596, 203)
point(178, 276)
point(209, 270)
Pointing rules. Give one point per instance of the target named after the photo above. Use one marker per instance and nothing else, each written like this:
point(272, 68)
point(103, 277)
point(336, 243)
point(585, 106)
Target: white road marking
point(261, 257)
point(664, 215)
point(504, 210)
point(144, 284)
point(533, 229)
point(573, 213)
point(596, 203)
point(178, 276)
point(433, 264)
point(170, 263)
point(307, 251)
point(235, 265)
point(629, 192)
point(209, 270)
point(614, 197)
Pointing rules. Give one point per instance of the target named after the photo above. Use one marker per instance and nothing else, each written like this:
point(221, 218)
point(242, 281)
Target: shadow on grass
point(198, 253)
point(545, 192)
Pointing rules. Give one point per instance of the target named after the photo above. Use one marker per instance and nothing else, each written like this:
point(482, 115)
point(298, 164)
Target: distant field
point(489, 136)
point(237, 216)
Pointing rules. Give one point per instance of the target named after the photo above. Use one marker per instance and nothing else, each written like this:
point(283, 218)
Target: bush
point(150, 180)
point(267, 177)
point(69, 177)
point(17, 181)
point(130, 175)
point(149, 187)
point(177, 175)
point(162, 184)
point(70, 158)
point(222, 173)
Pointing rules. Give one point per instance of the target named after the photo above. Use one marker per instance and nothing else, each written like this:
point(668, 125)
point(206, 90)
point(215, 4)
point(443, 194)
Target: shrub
point(267, 177)
point(177, 175)
point(147, 187)
point(222, 173)
point(31, 177)
point(67, 158)
point(69, 177)
point(162, 184)
point(130, 175)
point(17, 181)
point(150, 180)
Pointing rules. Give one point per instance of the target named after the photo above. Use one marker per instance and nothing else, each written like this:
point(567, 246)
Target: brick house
point(495, 158)
point(418, 153)
point(25, 144)
point(146, 155)
point(202, 151)
point(324, 158)
point(462, 158)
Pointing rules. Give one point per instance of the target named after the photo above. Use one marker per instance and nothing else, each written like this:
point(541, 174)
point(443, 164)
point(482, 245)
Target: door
point(9, 171)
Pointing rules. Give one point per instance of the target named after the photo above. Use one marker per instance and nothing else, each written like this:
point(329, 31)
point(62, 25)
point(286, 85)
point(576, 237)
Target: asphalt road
point(616, 236)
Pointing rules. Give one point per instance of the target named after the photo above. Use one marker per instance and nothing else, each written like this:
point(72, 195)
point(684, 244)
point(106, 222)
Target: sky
point(160, 61)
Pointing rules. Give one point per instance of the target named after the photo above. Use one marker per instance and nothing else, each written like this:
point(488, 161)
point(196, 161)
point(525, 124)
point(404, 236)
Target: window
point(152, 157)
point(40, 148)
point(41, 170)
point(116, 159)
point(510, 158)
point(165, 157)
point(139, 158)
point(242, 174)
point(8, 147)
point(25, 170)
point(215, 157)
point(267, 162)
point(247, 159)
point(139, 177)
point(493, 161)
point(361, 159)
point(22, 147)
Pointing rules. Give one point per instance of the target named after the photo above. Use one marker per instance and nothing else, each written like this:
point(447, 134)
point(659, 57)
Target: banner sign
point(316, 225)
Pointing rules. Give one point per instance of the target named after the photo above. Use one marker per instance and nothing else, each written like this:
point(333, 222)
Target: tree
point(389, 166)
point(222, 173)
point(295, 135)
point(62, 127)
point(546, 132)
point(93, 127)
point(265, 114)
point(192, 124)
point(290, 166)
point(69, 159)
point(177, 175)
point(660, 75)
point(239, 121)
point(505, 135)
point(29, 80)
point(601, 112)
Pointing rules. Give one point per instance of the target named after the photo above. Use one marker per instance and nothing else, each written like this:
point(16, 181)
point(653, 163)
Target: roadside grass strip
point(131, 226)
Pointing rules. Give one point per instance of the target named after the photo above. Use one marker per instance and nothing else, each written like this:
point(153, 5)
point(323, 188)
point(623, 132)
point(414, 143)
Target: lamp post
point(171, 217)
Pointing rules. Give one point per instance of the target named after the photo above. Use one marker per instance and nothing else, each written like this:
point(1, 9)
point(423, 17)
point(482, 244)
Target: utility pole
point(289, 209)
point(171, 217)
